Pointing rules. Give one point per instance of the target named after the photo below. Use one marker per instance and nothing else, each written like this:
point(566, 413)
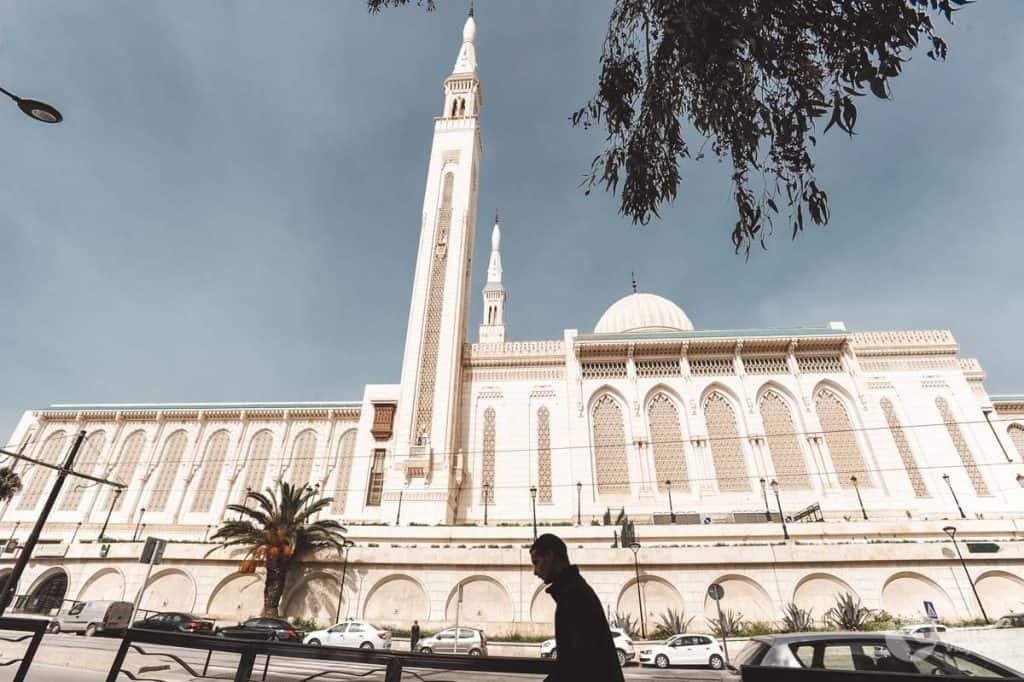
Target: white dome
point(643, 313)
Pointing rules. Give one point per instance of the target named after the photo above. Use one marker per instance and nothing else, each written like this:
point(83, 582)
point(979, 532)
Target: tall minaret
point(426, 419)
point(492, 329)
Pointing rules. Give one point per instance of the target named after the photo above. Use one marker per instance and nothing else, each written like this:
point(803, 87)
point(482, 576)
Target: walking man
point(414, 636)
point(583, 640)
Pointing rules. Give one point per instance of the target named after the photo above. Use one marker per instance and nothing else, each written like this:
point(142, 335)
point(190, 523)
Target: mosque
point(786, 464)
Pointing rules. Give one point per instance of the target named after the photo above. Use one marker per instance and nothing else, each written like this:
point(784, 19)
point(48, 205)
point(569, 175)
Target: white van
point(93, 617)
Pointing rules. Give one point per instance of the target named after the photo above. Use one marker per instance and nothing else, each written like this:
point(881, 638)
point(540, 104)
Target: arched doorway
point(47, 596)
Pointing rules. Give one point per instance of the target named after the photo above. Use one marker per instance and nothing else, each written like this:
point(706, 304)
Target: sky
point(230, 210)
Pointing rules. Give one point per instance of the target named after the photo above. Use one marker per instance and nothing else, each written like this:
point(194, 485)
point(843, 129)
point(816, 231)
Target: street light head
point(635, 546)
point(949, 530)
point(1020, 480)
point(853, 479)
point(945, 477)
point(40, 111)
point(579, 485)
point(763, 483)
point(533, 491)
point(348, 544)
point(774, 485)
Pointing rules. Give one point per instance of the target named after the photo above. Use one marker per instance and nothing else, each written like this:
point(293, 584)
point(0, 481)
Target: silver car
point(468, 641)
point(867, 652)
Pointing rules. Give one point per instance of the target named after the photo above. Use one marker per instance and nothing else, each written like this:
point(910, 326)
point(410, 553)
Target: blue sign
point(929, 608)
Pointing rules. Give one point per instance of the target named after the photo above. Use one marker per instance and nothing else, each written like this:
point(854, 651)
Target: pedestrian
point(414, 635)
point(583, 639)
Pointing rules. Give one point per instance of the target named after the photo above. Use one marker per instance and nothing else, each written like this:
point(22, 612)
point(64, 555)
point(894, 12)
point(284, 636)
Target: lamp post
point(398, 514)
point(533, 503)
point(487, 500)
point(949, 484)
point(671, 509)
point(635, 546)
point(951, 532)
point(33, 108)
point(135, 533)
point(764, 494)
point(579, 501)
point(347, 545)
point(11, 539)
point(782, 517)
point(1020, 480)
point(860, 500)
point(113, 502)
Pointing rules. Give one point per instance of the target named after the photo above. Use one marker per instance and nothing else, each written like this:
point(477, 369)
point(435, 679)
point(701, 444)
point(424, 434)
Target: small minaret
point(492, 329)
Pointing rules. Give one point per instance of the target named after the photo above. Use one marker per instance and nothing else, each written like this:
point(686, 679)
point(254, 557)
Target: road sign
point(929, 609)
point(716, 591)
point(153, 551)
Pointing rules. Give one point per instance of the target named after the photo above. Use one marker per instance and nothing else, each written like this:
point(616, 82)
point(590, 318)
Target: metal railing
point(36, 627)
point(392, 664)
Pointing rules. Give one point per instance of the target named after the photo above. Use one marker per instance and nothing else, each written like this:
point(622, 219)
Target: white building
point(645, 413)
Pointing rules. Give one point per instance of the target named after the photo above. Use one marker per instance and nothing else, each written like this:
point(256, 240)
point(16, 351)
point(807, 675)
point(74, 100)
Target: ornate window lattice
point(346, 448)
point(960, 443)
point(86, 463)
point(819, 364)
point(783, 446)
point(213, 466)
point(711, 367)
point(604, 370)
point(610, 447)
point(376, 485)
point(663, 367)
point(543, 455)
point(256, 463)
point(127, 463)
point(766, 364)
point(840, 439)
point(432, 324)
point(487, 473)
point(170, 462)
point(726, 449)
point(903, 446)
point(29, 497)
point(303, 451)
point(667, 443)
point(1016, 433)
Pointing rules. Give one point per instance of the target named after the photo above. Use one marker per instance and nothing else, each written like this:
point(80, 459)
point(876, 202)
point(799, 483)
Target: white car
point(547, 648)
point(620, 638)
point(351, 633)
point(926, 630)
point(685, 650)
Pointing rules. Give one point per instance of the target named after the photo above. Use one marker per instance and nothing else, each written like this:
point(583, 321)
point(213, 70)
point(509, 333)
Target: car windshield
point(76, 608)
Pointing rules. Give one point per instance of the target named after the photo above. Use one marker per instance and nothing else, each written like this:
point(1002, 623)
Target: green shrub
point(797, 619)
point(729, 625)
point(757, 627)
point(626, 622)
point(671, 622)
point(306, 624)
point(848, 613)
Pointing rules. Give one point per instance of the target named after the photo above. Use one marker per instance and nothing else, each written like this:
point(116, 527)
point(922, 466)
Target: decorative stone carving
point(667, 443)
point(543, 456)
point(85, 463)
point(383, 421)
point(487, 473)
point(726, 450)
point(610, 447)
point(346, 451)
point(839, 437)
point(170, 461)
point(783, 447)
point(960, 443)
point(213, 465)
point(903, 447)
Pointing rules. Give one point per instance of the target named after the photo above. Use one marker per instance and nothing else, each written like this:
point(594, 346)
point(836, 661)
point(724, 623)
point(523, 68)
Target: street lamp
point(1020, 480)
point(398, 514)
point(533, 501)
point(951, 532)
point(853, 479)
point(113, 502)
point(671, 509)
point(635, 546)
point(347, 545)
point(782, 517)
point(135, 533)
point(764, 494)
point(40, 111)
point(487, 500)
point(949, 484)
point(579, 501)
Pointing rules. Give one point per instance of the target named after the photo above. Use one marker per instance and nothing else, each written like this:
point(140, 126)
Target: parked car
point(926, 630)
point(271, 629)
point(176, 621)
point(868, 652)
point(469, 641)
point(620, 638)
point(685, 649)
point(1011, 620)
point(93, 617)
point(351, 633)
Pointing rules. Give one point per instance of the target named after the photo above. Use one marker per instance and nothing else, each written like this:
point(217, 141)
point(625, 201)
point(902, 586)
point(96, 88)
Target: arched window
point(455, 107)
point(213, 466)
point(903, 446)
point(303, 452)
point(841, 440)
point(487, 473)
point(1016, 433)
point(127, 463)
point(667, 443)
point(610, 447)
point(37, 475)
point(462, 106)
point(726, 449)
point(957, 437)
point(85, 463)
point(256, 462)
point(346, 449)
point(167, 475)
point(783, 446)
point(543, 455)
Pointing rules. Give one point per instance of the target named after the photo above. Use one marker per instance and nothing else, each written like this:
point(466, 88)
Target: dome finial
point(470, 7)
point(634, 281)
point(496, 221)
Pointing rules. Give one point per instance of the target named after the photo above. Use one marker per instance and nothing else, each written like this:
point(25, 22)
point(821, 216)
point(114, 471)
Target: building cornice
point(201, 411)
point(904, 342)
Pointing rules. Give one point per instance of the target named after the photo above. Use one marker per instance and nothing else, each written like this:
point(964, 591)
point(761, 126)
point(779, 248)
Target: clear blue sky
point(231, 209)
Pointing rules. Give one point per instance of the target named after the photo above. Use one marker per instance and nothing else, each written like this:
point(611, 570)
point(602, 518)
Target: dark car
point(176, 621)
point(272, 629)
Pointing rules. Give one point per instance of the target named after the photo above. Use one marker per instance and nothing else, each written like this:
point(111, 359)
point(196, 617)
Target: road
point(291, 669)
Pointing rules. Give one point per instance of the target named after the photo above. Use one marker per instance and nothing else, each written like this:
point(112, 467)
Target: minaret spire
point(634, 282)
point(492, 329)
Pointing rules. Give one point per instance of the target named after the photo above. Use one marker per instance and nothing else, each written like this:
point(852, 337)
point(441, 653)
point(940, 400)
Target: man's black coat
point(586, 652)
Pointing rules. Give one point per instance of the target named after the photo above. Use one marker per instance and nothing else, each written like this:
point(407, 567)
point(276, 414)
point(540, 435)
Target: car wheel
point(475, 652)
point(426, 650)
point(622, 657)
point(366, 645)
point(716, 662)
point(661, 661)
point(53, 628)
point(314, 642)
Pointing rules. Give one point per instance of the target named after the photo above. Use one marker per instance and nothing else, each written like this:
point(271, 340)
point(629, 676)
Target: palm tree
point(276, 532)
point(10, 483)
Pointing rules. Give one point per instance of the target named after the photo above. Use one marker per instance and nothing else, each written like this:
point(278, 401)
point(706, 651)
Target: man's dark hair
point(552, 545)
